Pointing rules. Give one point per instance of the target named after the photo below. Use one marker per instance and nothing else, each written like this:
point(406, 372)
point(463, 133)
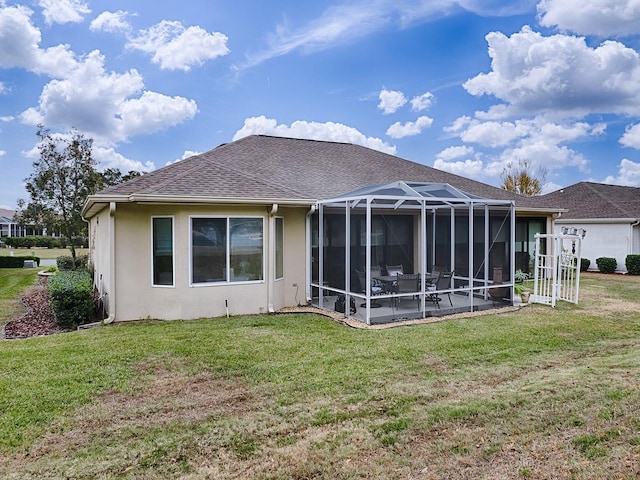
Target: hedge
point(606, 264)
point(632, 262)
point(67, 263)
point(33, 241)
point(584, 264)
point(16, 262)
point(71, 297)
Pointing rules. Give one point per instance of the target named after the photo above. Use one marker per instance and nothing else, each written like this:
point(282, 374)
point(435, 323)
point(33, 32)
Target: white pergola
point(448, 228)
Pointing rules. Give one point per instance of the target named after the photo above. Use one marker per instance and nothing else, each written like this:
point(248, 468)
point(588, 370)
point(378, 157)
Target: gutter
point(307, 248)
point(272, 257)
point(632, 221)
point(112, 264)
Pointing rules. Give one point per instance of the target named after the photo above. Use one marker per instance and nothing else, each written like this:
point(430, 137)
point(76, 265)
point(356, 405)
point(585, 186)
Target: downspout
point(307, 282)
point(272, 260)
point(112, 264)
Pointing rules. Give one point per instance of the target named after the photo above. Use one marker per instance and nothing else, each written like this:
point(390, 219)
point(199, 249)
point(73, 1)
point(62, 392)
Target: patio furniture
point(408, 283)
point(376, 285)
point(442, 283)
point(394, 270)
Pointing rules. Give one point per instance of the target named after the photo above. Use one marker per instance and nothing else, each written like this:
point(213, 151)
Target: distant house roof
point(587, 200)
point(6, 216)
point(268, 168)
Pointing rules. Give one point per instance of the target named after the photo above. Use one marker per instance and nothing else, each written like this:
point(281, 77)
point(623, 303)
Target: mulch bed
point(38, 319)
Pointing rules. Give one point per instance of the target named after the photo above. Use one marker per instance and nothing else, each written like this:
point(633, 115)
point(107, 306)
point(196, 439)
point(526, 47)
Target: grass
point(537, 393)
point(13, 281)
point(43, 253)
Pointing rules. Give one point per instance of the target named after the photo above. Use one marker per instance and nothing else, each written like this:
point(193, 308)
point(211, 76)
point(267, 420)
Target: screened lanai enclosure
point(409, 250)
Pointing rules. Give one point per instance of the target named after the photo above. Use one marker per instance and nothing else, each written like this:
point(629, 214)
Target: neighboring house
point(609, 213)
point(232, 230)
point(10, 228)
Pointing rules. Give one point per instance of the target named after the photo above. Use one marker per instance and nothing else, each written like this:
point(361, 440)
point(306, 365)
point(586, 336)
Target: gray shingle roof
point(596, 200)
point(266, 167)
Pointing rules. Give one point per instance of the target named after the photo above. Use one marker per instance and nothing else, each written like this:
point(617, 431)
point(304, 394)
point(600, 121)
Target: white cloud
point(64, 11)
point(401, 130)
point(550, 187)
point(592, 17)
point(111, 22)
point(628, 174)
point(391, 101)
point(329, 131)
point(560, 75)
point(466, 168)
point(351, 20)
point(631, 136)
point(185, 155)
point(108, 105)
point(458, 151)
point(2, 153)
point(153, 112)
point(537, 140)
point(107, 157)
point(19, 45)
point(175, 47)
point(422, 102)
point(7, 118)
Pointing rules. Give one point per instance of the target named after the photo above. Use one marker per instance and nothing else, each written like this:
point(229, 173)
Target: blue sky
point(466, 86)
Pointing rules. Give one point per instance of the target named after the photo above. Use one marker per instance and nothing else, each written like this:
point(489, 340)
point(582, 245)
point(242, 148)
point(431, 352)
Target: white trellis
point(557, 271)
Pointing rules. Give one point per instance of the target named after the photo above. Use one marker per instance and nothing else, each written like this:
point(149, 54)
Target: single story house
point(610, 214)
point(10, 228)
point(259, 224)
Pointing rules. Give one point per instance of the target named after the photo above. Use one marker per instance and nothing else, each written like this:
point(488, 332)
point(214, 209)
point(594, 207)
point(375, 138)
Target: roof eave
point(95, 203)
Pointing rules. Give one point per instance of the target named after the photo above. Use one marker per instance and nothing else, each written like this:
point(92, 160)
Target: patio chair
point(408, 283)
point(376, 287)
point(442, 283)
point(394, 270)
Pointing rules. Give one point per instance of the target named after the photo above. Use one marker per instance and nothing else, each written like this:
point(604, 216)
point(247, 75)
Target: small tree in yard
point(523, 178)
point(62, 179)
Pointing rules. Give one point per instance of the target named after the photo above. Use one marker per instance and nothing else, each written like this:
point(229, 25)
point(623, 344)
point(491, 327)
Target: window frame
point(173, 252)
point(227, 280)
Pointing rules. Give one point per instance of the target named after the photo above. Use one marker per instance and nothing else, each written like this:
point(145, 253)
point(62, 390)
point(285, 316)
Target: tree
point(523, 178)
point(113, 176)
point(62, 179)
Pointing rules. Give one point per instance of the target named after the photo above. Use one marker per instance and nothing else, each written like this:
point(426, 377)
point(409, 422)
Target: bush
point(584, 264)
point(33, 241)
point(67, 263)
point(606, 264)
point(16, 262)
point(71, 297)
point(632, 262)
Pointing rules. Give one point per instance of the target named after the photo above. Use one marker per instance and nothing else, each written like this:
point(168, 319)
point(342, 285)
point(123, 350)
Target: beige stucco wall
point(614, 240)
point(99, 232)
point(136, 297)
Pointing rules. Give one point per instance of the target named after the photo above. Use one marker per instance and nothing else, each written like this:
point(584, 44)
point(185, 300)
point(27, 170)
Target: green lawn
point(13, 281)
point(538, 393)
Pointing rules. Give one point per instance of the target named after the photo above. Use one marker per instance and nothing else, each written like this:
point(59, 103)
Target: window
point(162, 240)
point(226, 249)
point(279, 247)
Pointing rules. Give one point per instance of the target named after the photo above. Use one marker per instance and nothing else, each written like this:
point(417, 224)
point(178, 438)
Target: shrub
point(606, 264)
point(584, 264)
point(71, 298)
point(632, 262)
point(16, 262)
point(33, 241)
point(67, 263)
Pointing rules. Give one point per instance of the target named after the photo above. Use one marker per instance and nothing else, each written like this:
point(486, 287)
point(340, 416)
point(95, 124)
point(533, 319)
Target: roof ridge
point(606, 199)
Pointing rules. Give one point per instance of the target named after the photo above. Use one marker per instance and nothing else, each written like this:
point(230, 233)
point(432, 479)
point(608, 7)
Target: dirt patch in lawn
point(125, 427)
